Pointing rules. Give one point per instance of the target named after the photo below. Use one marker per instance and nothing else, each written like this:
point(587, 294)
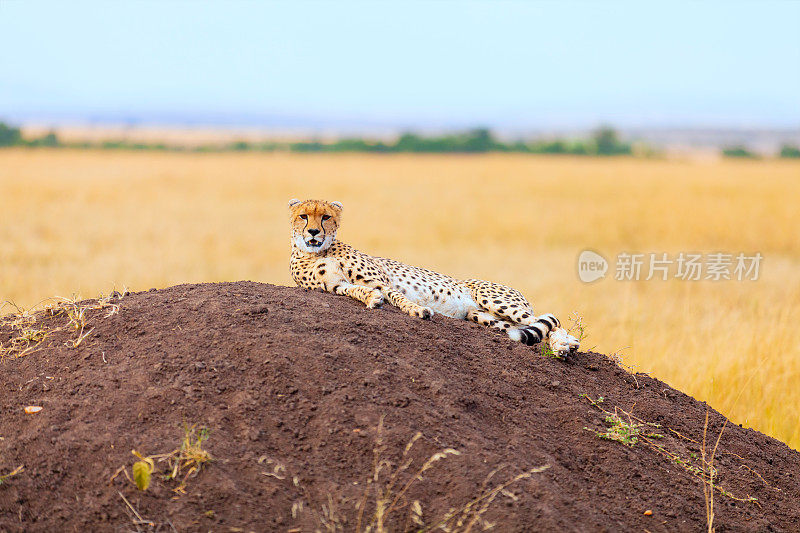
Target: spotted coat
point(319, 261)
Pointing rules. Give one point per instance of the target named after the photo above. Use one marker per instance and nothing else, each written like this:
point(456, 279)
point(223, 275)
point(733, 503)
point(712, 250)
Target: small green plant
point(142, 470)
point(578, 328)
point(76, 313)
point(621, 431)
point(191, 456)
point(32, 335)
point(24, 343)
point(627, 432)
point(546, 351)
point(184, 462)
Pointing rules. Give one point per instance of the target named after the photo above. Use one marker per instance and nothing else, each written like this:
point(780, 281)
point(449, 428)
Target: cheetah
point(319, 261)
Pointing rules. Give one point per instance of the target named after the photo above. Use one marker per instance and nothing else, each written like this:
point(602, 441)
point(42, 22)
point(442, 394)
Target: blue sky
point(409, 64)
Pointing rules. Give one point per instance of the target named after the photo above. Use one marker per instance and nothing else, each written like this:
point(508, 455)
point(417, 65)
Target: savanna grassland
point(86, 221)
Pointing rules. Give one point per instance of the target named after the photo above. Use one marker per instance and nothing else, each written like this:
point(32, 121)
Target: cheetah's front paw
point(562, 342)
point(375, 299)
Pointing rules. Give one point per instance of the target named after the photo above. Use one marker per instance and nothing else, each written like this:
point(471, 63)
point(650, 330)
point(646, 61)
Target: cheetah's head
point(314, 224)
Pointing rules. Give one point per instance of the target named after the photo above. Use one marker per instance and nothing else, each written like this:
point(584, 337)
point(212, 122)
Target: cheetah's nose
point(313, 232)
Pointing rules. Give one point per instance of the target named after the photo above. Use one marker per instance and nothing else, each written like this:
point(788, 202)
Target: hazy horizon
point(361, 65)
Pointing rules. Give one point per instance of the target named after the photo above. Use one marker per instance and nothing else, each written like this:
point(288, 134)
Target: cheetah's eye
point(304, 217)
point(325, 217)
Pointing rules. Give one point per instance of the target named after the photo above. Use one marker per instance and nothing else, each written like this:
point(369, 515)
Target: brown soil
point(294, 384)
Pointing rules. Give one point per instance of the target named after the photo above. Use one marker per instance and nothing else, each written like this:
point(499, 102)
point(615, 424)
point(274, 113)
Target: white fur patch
point(300, 244)
point(455, 305)
point(515, 334)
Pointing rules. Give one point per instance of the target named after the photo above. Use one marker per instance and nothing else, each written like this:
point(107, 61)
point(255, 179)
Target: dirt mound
point(292, 386)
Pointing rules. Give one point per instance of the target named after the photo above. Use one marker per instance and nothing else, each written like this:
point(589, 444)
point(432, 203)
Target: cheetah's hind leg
point(516, 333)
point(508, 306)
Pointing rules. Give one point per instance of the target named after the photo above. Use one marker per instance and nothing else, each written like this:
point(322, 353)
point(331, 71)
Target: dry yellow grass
point(86, 221)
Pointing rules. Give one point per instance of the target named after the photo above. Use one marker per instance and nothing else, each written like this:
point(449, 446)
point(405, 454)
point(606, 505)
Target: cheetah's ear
point(337, 205)
point(293, 202)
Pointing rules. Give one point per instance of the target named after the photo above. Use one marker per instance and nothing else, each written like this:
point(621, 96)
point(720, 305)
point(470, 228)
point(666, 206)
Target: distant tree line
point(11, 136)
point(739, 151)
point(787, 152)
point(603, 142)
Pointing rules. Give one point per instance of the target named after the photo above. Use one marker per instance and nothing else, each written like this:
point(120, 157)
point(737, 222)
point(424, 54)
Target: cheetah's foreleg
point(372, 298)
point(332, 280)
point(398, 299)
